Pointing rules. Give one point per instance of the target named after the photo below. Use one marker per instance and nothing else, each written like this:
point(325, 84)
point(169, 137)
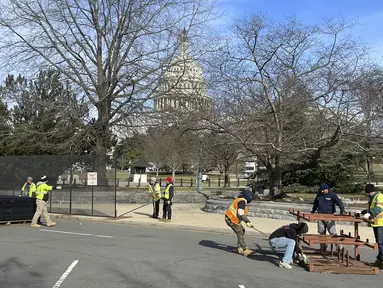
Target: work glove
point(59, 188)
point(169, 202)
point(248, 224)
point(303, 258)
point(342, 212)
point(364, 211)
point(366, 216)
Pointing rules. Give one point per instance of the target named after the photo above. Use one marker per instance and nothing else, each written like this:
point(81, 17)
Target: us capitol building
point(182, 86)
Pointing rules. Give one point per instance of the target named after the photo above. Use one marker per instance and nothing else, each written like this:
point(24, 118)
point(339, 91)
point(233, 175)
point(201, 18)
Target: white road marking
point(66, 273)
point(74, 233)
point(241, 286)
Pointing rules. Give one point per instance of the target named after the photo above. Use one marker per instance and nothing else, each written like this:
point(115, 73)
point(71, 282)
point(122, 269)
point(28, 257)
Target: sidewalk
point(191, 217)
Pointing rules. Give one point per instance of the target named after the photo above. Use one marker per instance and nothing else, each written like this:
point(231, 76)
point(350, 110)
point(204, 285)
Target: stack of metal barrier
point(16, 209)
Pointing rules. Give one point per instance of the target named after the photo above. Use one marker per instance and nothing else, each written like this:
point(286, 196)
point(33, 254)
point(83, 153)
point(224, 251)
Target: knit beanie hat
point(323, 186)
point(369, 188)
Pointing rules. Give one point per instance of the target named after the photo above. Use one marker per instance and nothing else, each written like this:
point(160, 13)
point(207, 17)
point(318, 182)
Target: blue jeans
point(378, 231)
point(284, 242)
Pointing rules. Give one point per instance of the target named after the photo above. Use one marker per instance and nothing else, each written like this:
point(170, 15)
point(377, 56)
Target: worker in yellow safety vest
point(155, 193)
point(42, 196)
point(235, 214)
point(167, 197)
point(29, 188)
point(374, 213)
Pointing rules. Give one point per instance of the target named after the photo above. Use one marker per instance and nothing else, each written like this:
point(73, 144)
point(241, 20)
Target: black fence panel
point(77, 197)
point(13, 208)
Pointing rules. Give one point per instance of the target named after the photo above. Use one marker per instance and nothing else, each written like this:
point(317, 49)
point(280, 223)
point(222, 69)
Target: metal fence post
point(181, 182)
point(92, 199)
point(70, 186)
point(115, 188)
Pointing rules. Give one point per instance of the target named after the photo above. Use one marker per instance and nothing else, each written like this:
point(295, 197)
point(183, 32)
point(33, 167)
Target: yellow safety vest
point(155, 190)
point(32, 189)
point(42, 191)
point(377, 201)
point(166, 192)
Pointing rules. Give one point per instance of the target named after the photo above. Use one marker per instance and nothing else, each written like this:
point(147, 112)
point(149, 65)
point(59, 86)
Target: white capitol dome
point(182, 86)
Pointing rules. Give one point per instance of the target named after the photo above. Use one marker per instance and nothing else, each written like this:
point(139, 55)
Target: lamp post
point(199, 180)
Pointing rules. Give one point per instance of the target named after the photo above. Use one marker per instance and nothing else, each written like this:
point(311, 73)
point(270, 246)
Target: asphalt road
point(124, 256)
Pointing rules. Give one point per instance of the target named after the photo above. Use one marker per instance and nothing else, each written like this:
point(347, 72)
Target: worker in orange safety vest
point(235, 214)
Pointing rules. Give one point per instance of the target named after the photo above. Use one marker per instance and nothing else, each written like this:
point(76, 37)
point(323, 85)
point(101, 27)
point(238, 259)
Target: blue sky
point(367, 14)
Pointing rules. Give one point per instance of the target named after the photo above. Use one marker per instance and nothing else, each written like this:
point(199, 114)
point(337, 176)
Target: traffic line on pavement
point(241, 286)
point(74, 233)
point(66, 273)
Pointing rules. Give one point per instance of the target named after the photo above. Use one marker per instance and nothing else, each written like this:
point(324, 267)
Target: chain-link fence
point(78, 196)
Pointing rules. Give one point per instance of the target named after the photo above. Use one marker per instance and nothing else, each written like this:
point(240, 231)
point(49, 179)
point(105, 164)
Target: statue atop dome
point(184, 44)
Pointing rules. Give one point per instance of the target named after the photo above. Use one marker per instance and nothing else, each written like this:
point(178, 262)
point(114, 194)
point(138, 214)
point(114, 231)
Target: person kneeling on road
point(237, 213)
point(287, 237)
point(42, 196)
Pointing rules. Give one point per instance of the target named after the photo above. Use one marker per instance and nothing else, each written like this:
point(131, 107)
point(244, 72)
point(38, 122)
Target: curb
point(153, 225)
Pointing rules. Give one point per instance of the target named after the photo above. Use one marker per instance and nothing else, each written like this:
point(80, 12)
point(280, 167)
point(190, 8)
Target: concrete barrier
point(268, 209)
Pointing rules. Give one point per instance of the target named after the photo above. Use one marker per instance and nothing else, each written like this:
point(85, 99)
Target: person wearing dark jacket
point(325, 203)
point(287, 237)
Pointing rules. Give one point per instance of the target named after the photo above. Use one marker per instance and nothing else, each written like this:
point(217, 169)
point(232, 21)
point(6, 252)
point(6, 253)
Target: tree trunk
point(174, 174)
point(100, 165)
point(370, 171)
point(157, 172)
point(226, 176)
point(275, 180)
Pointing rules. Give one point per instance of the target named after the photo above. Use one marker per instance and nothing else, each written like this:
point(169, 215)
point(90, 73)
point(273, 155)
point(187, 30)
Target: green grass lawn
point(361, 176)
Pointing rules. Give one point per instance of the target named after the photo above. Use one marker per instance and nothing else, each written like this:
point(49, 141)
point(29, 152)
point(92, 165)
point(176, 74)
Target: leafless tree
point(224, 150)
point(171, 147)
point(283, 91)
point(367, 94)
point(114, 51)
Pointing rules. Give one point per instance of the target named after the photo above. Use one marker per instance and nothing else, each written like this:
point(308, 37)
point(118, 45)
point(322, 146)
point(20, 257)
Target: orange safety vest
point(232, 211)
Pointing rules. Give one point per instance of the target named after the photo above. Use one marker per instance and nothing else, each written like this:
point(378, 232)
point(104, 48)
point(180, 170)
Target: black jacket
point(325, 203)
point(290, 231)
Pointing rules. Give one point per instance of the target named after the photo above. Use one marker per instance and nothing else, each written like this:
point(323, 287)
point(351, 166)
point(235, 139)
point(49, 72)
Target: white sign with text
point(92, 178)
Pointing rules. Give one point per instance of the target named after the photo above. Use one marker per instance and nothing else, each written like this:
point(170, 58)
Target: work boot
point(240, 250)
point(247, 252)
point(162, 220)
point(285, 265)
point(50, 224)
point(35, 225)
point(169, 220)
point(378, 263)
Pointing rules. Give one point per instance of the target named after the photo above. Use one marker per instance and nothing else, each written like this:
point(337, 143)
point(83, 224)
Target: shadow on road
point(144, 214)
point(259, 255)
point(14, 273)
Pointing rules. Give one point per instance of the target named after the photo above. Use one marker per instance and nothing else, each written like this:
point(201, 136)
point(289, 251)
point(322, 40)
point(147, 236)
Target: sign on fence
point(92, 178)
